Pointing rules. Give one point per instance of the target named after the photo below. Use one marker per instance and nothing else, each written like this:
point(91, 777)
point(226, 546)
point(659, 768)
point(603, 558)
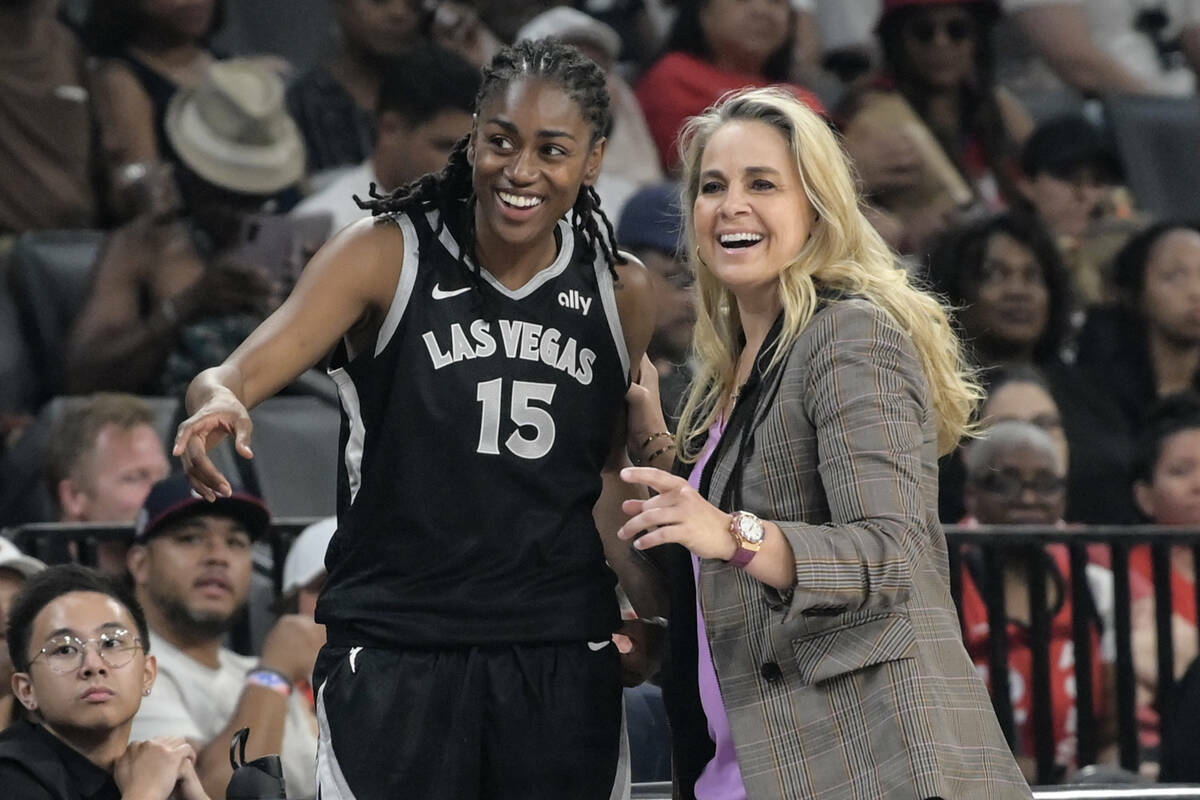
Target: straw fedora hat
point(234, 131)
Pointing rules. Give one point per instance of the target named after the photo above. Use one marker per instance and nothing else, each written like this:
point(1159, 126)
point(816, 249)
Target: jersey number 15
point(523, 413)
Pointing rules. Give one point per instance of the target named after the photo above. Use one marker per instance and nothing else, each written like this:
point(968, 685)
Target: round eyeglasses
point(66, 653)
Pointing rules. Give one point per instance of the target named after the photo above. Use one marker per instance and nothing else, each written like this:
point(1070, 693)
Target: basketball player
point(484, 345)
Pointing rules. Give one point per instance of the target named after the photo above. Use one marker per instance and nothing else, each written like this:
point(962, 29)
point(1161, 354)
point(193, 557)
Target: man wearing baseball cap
point(191, 565)
point(651, 228)
point(15, 568)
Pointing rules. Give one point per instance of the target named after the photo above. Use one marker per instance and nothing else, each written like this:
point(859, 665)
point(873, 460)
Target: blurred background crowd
point(168, 166)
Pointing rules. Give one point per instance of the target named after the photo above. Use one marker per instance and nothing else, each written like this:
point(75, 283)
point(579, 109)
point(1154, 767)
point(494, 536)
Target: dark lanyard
point(744, 420)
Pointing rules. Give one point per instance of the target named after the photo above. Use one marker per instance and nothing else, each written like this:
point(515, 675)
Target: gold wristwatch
point(748, 533)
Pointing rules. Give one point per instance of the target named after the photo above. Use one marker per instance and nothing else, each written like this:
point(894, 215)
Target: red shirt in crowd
point(1020, 663)
point(680, 85)
point(1183, 589)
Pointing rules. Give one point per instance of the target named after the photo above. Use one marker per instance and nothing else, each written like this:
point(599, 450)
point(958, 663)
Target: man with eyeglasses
point(191, 565)
point(80, 648)
point(1016, 475)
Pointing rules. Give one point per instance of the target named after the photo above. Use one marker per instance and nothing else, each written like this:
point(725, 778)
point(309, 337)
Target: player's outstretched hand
point(223, 415)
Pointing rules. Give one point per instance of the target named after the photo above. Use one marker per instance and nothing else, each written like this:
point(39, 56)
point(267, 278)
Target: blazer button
point(770, 672)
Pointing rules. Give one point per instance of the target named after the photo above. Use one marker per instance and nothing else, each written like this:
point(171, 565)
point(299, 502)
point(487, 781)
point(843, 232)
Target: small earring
point(146, 692)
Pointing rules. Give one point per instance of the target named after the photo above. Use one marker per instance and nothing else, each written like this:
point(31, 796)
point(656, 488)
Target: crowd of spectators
point(213, 172)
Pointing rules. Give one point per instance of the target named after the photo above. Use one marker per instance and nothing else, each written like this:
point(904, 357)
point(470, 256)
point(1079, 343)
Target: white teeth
point(519, 201)
point(727, 238)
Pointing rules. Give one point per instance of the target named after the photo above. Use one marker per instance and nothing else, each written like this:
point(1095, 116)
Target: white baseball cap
point(306, 558)
point(14, 559)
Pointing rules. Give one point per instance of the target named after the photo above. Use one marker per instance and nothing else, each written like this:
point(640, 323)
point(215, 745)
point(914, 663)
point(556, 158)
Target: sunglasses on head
point(956, 30)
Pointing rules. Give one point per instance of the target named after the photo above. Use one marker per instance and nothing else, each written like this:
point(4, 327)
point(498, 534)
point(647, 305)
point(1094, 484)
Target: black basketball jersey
point(473, 435)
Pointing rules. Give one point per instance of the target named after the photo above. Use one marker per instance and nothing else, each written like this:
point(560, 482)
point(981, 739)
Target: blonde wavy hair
point(844, 254)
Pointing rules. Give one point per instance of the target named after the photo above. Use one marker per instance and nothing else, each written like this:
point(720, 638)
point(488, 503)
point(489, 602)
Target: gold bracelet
point(650, 458)
point(652, 437)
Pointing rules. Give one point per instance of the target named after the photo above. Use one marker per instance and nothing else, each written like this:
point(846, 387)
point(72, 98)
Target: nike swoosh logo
point(439, 294)
point(599, 645)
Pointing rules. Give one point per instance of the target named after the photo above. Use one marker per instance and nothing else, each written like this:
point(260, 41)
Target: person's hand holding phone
point(227, 285)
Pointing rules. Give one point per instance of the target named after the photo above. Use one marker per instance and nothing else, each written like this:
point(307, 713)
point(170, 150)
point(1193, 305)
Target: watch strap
point(741, 557)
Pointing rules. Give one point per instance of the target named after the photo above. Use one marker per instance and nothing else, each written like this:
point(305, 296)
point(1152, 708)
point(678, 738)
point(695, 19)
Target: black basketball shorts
point(493, 723)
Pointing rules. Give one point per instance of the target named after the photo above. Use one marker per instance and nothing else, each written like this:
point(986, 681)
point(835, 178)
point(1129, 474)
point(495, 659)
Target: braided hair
point(450, 192)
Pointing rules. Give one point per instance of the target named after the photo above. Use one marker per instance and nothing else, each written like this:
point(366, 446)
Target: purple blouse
point(721, 778)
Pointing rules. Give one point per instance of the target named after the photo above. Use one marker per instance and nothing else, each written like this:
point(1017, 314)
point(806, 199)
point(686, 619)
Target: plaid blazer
point(855, 683)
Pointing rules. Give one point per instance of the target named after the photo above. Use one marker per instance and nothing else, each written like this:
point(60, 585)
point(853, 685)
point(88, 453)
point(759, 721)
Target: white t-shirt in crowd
point(1111, 23)
point(848, 23)
point(196, 702)
point(337, 197)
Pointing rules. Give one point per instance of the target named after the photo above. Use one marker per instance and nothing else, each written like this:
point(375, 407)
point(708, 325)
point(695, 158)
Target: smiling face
point(195, 576)
point(1011, 305)
point(95, 697)
point(1171, 295)
point(531, 152)
point(751, 216)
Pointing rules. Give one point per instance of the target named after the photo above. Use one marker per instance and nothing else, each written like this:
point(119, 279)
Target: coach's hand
point(677, 513)
point(221, 416)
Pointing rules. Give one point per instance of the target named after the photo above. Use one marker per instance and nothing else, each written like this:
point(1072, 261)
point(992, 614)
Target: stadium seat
point(1047, 104)
point(295, 445)
point(49, 274)
point(17, 387)
point(1158, 141)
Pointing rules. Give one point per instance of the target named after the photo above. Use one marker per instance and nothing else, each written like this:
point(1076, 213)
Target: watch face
point(750, 528)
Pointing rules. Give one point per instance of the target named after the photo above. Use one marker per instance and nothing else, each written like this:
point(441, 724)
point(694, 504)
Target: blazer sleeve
point(866, 398)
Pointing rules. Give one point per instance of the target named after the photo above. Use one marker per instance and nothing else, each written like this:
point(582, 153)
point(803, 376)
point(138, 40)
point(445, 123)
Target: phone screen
point(281, 245)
